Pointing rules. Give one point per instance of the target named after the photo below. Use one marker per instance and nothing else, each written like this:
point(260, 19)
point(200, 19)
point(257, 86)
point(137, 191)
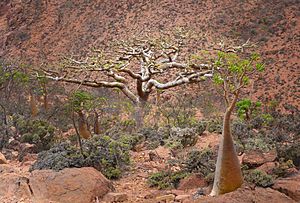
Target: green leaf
point(260, 67)
point(217, 79)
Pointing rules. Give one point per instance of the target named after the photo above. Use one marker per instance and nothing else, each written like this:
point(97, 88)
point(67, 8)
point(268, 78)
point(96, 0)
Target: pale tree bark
point(142, 62)
point(82, 126)
point(33, 105)
point(228, 174)
point(96, 124)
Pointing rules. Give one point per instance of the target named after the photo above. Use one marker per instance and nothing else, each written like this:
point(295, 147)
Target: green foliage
point(182, 137)
point(214, 125)
point(282, 169)
point(247, 108)
point(166, 179)
point(38, 132)
point(80, 100)
point(259, 178)
point(107, 155)
point(201, 162)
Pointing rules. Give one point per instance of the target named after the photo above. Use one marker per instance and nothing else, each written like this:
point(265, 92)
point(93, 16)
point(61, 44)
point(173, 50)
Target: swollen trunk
point(228, 175)
point(33, 105)
point(82, 126)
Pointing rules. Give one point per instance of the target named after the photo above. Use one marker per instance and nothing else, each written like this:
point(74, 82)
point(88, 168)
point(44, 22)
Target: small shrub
point(182, 137)
point(259, 178)
point(282, 169)
point(164, 180)
point(154, 137)
point(214, 126)
point(290, 152)
point(101, 152)
point(201, 162)
point(37, 132)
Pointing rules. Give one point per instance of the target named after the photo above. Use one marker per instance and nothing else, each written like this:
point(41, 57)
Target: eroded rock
point(80, 185)
point(289, 186)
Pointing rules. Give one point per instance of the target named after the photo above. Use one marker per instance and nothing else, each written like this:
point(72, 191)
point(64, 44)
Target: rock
point(180, 198)
point(192, 182)
point(270, 156)
point(115, 197)
point(154, 193)
point(165, 198)
point(257, 158)
point(289, 186)
point(2, 159)
point(267, 167)
point(248, 195)
point(12, 184)
point(14, 145)
point(26, 148)
point(78, 185)
point(6, 168)
point(161, 153)
point(253, 158)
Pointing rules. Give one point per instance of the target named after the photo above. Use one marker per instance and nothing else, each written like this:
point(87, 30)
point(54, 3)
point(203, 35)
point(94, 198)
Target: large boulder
point(80, 185)
point(248, 195)
point(290, 186)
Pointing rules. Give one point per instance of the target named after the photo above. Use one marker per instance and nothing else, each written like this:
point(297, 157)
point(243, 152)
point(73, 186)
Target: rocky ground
point(89, 185)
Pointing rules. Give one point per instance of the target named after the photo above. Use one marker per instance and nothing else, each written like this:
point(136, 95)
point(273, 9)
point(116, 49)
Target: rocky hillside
point(43, 30)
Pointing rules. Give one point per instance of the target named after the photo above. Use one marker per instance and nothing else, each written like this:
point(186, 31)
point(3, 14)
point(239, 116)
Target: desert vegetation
point(175, 115)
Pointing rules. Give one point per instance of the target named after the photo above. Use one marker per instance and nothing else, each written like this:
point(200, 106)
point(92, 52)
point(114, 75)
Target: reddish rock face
point(257, 158)
point(247, 195)
point(192, 182)
point(79, 185)
point(290, 186)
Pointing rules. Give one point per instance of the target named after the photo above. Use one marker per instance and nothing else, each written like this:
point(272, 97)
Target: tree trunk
point(4, 137)
point(228, 174)
point(96, 124)
point(83, 127)
point(77, 133)
point(33, 105)
point(140, 114)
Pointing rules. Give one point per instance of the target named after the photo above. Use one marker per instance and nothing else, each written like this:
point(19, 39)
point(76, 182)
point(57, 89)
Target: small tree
point(136, 67)
point(232, 75)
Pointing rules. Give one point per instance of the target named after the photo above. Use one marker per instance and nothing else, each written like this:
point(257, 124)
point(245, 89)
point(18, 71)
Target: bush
point(154, 137)
point(201, 162)
point(166, 180)
point(282, 169)
point(215, 126)
point(290, 152)
point(182, 137)
point(259, 178)
point(101, 152)
point(37, 132)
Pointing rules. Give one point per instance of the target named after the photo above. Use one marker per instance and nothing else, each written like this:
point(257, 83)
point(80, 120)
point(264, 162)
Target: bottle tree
point(232, 74)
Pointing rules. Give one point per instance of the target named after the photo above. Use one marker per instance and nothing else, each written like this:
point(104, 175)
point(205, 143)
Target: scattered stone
point(26, 148)
point(268, 167)
point(165, 198)
point(2, 159)
point(289, 186)
point(115, 197)
point(180, 198)
point(162, 152)
point(192, 182)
